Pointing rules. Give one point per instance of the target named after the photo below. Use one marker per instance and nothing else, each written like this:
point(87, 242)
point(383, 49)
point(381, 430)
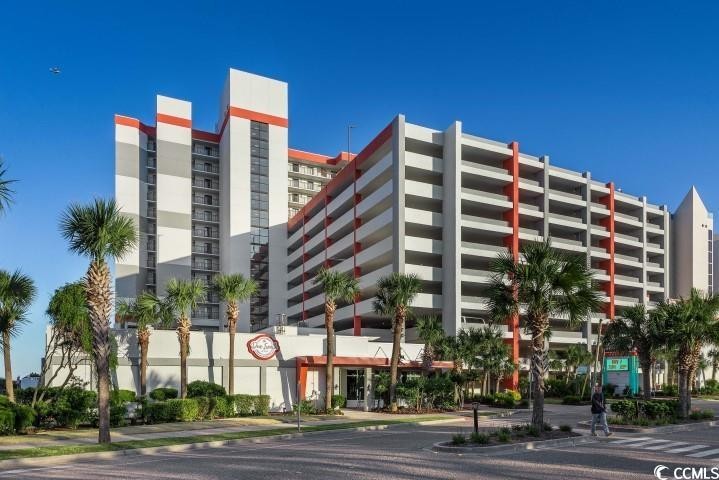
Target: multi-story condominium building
point(439, 203)
point(693, 237)
point(307, 174)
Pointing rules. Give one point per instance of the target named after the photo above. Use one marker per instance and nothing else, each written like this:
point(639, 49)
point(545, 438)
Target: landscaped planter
point(552, 439)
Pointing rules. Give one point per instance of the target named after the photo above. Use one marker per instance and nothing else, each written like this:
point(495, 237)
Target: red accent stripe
point(608, 244)
point(332, 185)
point(133, 122)
point(512, 242)
point(205, 136)
point(258, 117)
point(318, 360)
point(172, 120)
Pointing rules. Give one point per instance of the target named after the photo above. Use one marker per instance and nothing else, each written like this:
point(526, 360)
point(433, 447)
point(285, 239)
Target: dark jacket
point(598, 403)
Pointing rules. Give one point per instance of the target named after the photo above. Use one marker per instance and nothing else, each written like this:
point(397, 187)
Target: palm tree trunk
point(99, 301)
point(8, 368)
point(143, 342)
point(714, 370)
point(232, 316)
point(538, 371)
point(330, 308)
point(394, 365)
point(646, 364)
point(427, 359)
point(183, 335)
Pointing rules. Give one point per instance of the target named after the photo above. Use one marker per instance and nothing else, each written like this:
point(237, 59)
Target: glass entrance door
point(355, 388)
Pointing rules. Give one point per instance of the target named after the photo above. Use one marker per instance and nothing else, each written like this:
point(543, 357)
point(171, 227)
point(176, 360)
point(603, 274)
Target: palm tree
point(146, 311)
point(6, 193)
point(545, 283)
point(636, 330)
point(99, 231)
point(17, 292)
point(687, 325)
point(183, 297)
point(233, 289)
point(713, 355)
point(395, 294)
point(336, 286)
point(431, 333)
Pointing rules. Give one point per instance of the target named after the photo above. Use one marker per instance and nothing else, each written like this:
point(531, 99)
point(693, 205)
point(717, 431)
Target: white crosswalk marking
point(686, 449)
point(629, 440)
point(705, 453)
point(668, 445)
point(648, 442)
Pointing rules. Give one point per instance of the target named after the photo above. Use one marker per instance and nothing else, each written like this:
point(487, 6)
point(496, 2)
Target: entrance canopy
point(303, 363)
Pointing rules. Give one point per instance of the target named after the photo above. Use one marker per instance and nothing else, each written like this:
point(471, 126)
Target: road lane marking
point(645, 443)
point(705, 453)
point(686, 449)
point(668, 445)
point(630, 440)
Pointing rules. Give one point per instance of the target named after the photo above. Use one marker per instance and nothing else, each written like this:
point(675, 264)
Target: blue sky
point(626, 91)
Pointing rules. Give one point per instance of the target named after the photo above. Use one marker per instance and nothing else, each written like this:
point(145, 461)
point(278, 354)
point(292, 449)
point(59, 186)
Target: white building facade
point(438, 203)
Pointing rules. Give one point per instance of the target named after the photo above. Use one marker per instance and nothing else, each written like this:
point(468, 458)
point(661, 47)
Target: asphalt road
point(397, 453)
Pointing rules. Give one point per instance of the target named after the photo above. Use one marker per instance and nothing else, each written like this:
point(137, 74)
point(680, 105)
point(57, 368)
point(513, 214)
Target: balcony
point(151, 146)
point(206, 313)
point(151, 196)
point(206, 216)
point(207, 151)
point(152, 163)
point(152, 212)
point(206, 249)
point(205, 183)
point(206, 265)
point(203, 233)
point(202, 200)
point(150, 279)
point(150, 246)
point(206, 168)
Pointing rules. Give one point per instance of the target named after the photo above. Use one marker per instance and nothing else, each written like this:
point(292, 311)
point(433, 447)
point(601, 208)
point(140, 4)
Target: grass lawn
point(163, 442)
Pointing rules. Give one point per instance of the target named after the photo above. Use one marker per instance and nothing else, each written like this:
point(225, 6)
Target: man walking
point(599, 411)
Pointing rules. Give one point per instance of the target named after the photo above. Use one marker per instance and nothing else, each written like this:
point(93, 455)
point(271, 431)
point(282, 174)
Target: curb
point(30, 462)
point(684, 427)
point(514, 448)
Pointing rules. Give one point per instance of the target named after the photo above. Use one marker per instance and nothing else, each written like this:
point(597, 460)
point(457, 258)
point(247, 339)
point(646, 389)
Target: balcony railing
point(150, 279)
point(206, 249)
point(201, 183)
point(150, 246)
point(151, 146)
point(206, 216)
point(214, 202)
point(151, 163)
point(207, 151)
point(211, 266)
point(203, 313)
point(151, 196)
point(151, 212)
point(201, 167)
point(199, 232)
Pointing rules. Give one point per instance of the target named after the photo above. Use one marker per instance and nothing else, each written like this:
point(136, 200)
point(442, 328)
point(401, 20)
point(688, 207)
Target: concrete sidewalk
point(184, 429)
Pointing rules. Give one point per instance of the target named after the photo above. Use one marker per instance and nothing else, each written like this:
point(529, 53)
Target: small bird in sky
point(55, 70)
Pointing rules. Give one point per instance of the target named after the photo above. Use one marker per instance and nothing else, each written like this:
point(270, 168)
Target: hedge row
point(653, 409)
point(14, 418)
point(203, 408)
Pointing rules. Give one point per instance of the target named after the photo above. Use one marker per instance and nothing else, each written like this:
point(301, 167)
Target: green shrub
point(24, 417)
point(547, 427)
point(514, 394)
point(262, 405)
point(117, 415)
point(7, 421)
point(118, 397)
point(70, 407)
point(458, 439)
point(244, 404)
point(306, 408)
point(163, 393)
point(557, 388)
point(608, 389)
point(505, 430)
point(565, 428)
point(517, 427)
point(572, 400)
point(711, 387)
point(503, 437)
point(160, 412)
point(224, 406)
point(625, 408)
point(479, 438)
point(188, 409)
point(339, 401)
point(505, 400)
point(200, 388)
point(205, 408)
point(532, 430)
point(670, 390)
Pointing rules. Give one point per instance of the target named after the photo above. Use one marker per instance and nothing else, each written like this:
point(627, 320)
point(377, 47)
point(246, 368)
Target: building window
point(259, 223)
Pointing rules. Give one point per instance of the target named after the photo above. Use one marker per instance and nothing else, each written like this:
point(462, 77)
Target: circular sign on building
point(263, 347)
